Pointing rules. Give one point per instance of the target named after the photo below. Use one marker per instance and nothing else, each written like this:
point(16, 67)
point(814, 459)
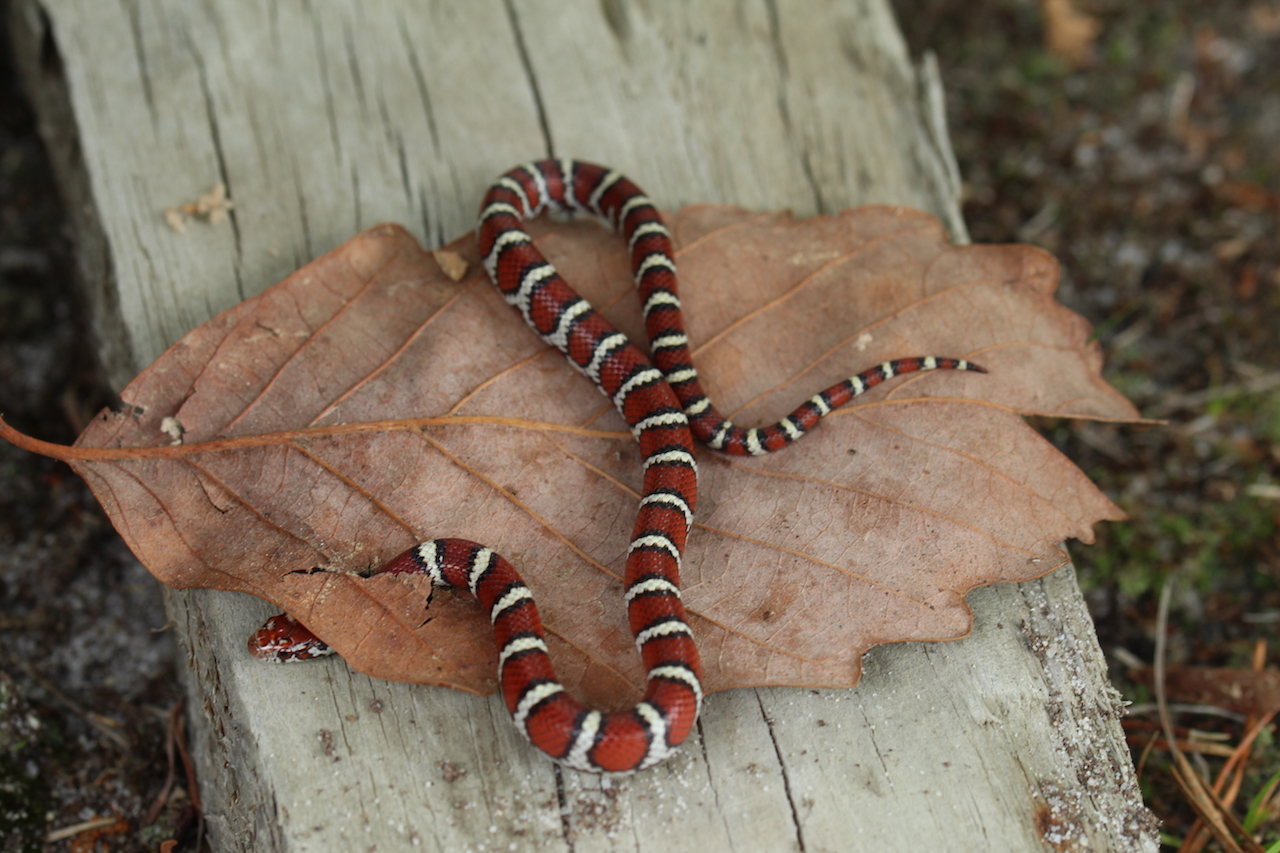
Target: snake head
point(283, 639)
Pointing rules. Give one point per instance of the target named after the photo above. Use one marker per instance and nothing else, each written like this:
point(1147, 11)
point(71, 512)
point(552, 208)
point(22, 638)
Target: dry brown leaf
point(367, 402)
point(1247, 195)
point(1244, 691)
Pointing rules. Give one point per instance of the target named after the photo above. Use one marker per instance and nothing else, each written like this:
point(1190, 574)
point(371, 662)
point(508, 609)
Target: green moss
point(1041, 66)
point(25, 798)
point(1226, 536)
point(1269, 418)
point(24, 803)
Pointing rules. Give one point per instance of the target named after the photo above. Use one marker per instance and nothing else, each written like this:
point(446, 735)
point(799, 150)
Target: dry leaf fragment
point(212, 207)
point(1068, 32)
point(453, 264)
point(391, 405)
point(1247, 195)
point(1244, 691)
point(175, 220)
point(1265, 18)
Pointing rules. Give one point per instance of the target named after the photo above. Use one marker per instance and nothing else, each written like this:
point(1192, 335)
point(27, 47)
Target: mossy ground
point(1152, 171)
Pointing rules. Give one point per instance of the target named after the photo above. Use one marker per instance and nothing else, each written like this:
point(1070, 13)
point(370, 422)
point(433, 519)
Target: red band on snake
point(664, 404)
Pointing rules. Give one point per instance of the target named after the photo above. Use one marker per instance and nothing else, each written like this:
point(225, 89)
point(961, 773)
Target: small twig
point(176, 747)
point(105, 726)
point(1241, 753)
point(1262, 617)
point(1184, 708)
point(78, 828)
point(1233, 769)
point(1268, 491)
point(1041, 222)
point(1216, 749)
point(1197, 399)
point(1142, 759)
point(193, 789)
point(180, 739)
point(153, 814)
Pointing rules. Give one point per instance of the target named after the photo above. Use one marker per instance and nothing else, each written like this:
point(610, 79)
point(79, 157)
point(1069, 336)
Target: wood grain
point(323, 118)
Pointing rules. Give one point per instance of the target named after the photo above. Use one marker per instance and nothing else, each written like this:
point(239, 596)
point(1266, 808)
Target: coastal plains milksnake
point(665, 406)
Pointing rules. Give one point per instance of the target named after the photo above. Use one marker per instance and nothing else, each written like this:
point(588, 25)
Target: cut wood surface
point(322, 119)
